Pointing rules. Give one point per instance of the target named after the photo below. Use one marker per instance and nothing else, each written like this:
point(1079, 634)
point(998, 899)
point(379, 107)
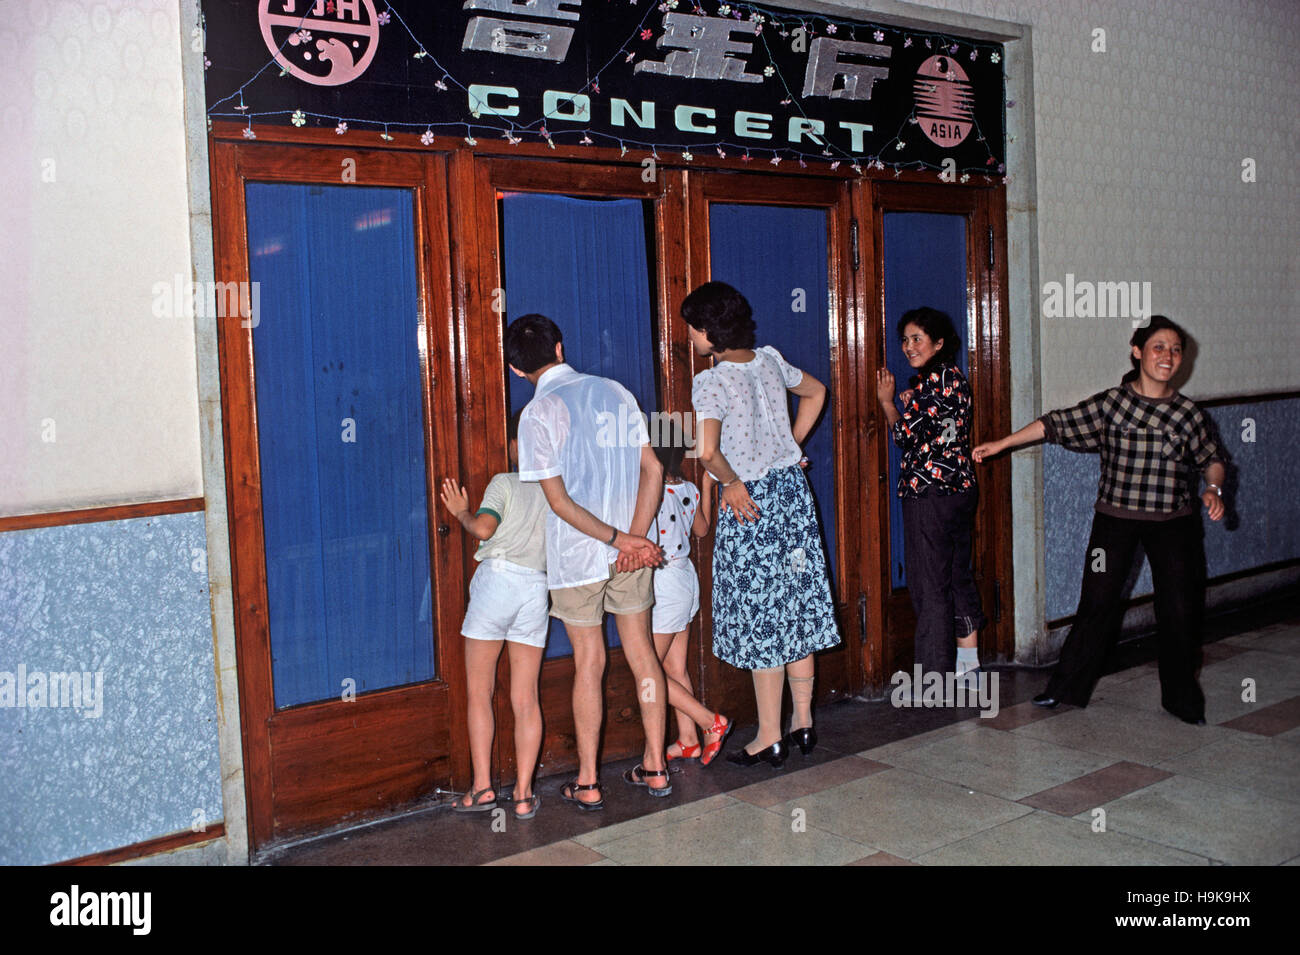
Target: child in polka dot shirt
point(682, 511)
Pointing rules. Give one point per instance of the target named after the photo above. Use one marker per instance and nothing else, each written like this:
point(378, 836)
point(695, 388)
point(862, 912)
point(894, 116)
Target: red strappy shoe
point(687, 752)
point(722, 727)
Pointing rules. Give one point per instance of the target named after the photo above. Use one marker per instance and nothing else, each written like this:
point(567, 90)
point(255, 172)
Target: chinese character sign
point(735, 78)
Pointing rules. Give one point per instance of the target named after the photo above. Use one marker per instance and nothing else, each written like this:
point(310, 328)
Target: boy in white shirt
point(603, 495)
point(507, 602)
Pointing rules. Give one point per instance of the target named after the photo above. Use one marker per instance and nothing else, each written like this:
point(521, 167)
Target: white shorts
point(677, 596)
point(507, 602)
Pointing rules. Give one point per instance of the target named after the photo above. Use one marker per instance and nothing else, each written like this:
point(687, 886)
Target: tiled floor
point(1118, 783)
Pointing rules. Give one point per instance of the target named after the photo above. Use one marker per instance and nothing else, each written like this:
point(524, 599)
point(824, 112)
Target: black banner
point(707, 77)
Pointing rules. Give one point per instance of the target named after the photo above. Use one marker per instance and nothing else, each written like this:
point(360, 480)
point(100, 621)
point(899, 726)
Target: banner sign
point(691, 77)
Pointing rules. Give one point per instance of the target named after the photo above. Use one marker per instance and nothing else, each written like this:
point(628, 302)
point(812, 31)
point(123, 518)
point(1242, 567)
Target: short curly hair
point(722, 313)
point(937, 326)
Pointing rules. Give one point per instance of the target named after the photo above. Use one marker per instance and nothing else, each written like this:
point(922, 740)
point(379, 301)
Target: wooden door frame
point(322, 763)
point(460, 349)
point(986, 281)
point(726, 687)
point(479, 272)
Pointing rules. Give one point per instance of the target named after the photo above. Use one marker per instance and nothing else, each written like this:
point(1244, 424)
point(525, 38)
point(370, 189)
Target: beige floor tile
point(653, 821)
point(1284, 639)
point(740, 834)
point(1253, 764)
point(1045, 839)
point(884, 753)
point(564, 852)
point(1142, 692)
point(882, 858)
point(1264, 667)
point(901, 812)
point(786, 786)
point(1123, 676)
point(1122, 732)
point(1207, 819)
point(1221, 683)
point(1009, 765)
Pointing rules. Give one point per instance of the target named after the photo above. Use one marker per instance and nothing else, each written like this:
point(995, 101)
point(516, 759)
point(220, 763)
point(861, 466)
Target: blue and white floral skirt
point(771, 596)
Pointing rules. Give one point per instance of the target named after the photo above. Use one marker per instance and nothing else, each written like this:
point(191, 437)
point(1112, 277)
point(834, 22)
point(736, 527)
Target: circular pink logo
point(945, 102)
point(328, 42)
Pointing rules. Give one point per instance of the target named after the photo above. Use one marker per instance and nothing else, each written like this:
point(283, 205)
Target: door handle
point(443, 530)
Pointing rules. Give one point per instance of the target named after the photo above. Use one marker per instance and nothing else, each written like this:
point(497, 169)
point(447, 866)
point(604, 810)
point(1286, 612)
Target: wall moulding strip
point(93, 515)
point(137, 850)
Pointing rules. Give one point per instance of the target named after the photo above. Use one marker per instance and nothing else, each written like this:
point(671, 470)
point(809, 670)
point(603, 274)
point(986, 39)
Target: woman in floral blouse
point(937, 484)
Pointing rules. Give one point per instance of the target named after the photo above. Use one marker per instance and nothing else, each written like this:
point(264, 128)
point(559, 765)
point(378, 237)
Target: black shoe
point(1044, 699)
point(805, 739)
point(774, 754)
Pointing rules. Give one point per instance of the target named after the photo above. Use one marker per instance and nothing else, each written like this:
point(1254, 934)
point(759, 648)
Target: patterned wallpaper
point(1261, 526)
point(124, 605)
point(97, 366)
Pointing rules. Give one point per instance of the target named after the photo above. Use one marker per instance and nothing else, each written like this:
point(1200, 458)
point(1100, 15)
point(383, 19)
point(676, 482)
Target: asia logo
point(945, 102)
point(328, 42)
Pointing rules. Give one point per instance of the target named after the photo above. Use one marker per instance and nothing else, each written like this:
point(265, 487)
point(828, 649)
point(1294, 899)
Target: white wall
point(93, 102)
point(1138, 156)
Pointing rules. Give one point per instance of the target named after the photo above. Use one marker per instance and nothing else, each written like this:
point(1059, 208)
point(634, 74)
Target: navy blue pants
point(936, 554)
point(1176, 552)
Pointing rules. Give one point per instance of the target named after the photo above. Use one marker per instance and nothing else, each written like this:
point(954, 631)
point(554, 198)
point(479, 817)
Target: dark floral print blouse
point(934, 434)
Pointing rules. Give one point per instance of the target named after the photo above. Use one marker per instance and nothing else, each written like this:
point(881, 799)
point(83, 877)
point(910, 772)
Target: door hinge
point(997, 600)
point(990, 248)
point(862, 616)
point(853, 242)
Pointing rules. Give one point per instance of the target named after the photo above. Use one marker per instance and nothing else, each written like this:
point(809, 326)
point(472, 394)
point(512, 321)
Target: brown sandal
point(570, 794)
point(636, 776)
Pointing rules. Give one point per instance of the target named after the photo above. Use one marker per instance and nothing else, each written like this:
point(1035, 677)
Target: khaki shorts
point(587, 605)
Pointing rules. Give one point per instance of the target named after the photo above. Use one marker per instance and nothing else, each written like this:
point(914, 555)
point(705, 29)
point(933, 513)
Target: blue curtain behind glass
point(776, 257)
point(346, 522)
point(925, 264)
point(582, 263)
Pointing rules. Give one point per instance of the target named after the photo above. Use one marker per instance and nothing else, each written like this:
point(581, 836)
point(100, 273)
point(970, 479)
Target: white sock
point(968, 658)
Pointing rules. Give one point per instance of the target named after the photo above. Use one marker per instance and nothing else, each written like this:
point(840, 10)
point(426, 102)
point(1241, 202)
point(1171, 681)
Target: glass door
point(583, 245)
point(937, 246)
point(785, 244)
point(336, 426)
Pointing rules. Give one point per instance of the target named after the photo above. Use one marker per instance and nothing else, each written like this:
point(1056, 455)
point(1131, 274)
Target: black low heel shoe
point(805, 739)
point(774, 755)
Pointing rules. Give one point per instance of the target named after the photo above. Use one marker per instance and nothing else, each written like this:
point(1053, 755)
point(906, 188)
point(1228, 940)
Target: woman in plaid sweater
point(1153, 443)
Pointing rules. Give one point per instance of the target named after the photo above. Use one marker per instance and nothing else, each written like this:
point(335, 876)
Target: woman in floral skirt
point(772, 605)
